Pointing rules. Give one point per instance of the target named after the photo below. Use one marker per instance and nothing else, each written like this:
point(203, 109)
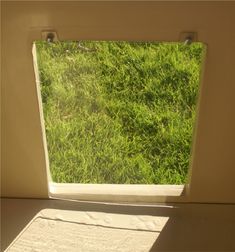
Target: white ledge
point(115, 192)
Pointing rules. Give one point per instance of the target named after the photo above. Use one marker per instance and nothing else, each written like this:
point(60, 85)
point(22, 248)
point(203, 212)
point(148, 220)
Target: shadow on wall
point(198, 228)
point(16, 214)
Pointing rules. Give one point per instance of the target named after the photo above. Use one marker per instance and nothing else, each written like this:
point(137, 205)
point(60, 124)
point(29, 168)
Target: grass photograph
point(119, 112)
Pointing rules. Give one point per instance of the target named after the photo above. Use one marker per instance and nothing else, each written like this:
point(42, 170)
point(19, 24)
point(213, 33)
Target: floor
point(60, 225)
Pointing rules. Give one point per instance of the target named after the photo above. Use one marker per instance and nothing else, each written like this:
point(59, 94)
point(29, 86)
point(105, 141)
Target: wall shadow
point(198, 228)
point(16, 214)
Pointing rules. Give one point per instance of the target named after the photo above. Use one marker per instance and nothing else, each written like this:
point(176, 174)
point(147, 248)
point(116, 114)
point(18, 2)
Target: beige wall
point(23, 154)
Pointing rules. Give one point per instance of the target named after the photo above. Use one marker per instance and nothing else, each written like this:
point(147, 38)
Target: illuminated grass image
point(119, 112)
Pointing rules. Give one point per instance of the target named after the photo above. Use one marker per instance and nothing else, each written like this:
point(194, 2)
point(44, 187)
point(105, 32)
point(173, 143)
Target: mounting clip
point(188, 37)
point(50, 36)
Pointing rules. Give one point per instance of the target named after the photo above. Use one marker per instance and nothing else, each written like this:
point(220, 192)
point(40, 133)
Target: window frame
point(24, 157)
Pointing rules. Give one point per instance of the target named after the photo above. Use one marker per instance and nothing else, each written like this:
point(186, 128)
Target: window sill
point(115, 193)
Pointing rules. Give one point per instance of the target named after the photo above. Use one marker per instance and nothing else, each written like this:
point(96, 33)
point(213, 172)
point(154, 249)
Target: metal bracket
point(188, 37)
point(50, 36)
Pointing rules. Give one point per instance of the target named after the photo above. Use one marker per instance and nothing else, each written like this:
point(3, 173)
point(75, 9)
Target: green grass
point(120, 112)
